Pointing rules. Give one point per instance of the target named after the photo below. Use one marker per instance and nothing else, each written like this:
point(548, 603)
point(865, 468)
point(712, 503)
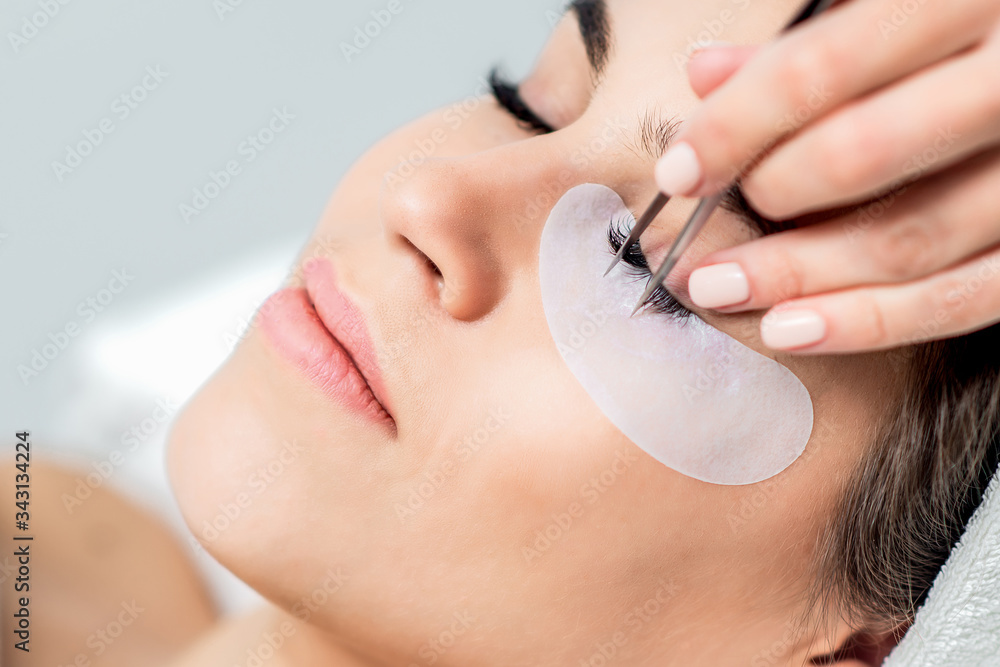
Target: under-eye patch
point(689, 395)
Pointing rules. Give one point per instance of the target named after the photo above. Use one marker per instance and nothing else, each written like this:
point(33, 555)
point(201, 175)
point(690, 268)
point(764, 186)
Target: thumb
point(710, 67)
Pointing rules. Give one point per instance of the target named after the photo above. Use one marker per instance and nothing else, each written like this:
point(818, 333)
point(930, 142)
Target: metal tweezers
point(706, 206)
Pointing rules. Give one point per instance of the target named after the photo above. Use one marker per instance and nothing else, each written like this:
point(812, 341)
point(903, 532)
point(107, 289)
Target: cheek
point(525, 440)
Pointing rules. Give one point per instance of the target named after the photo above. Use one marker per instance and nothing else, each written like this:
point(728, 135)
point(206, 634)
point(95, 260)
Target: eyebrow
point(654, 132)
point(592, 17)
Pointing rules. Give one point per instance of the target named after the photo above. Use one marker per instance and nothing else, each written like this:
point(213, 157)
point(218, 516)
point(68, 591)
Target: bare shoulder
point(266, 636)
point(236, 639)
point(107, 583)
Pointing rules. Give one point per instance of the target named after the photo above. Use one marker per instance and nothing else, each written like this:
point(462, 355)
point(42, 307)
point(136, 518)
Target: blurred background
point(130, 261)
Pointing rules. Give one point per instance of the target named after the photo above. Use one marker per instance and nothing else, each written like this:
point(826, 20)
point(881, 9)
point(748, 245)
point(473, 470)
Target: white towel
point(959, 624)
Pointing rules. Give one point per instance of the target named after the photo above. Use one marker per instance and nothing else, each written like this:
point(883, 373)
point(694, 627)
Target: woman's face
point(493, 515)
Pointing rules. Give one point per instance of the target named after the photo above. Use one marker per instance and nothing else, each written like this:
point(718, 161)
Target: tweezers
point(706, 206)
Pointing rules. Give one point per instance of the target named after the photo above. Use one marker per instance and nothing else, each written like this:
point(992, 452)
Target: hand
point(893, 105)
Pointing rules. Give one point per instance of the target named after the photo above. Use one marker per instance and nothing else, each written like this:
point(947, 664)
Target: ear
point(862, 649)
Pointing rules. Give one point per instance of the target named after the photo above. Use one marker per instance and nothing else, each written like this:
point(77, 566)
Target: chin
point(214, 446)
point(251, 459)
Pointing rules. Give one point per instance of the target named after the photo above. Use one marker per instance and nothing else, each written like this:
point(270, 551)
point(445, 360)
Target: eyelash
point(661, 301)
point(508, 96)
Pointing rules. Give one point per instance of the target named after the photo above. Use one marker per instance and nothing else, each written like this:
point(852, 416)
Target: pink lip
point(323, 333)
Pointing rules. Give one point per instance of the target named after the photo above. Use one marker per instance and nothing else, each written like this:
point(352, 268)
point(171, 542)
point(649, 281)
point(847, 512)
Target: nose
point(474, 220)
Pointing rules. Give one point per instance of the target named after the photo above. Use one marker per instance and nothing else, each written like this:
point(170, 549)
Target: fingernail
point(788, 329)
point(719, 285)
point(678, 171)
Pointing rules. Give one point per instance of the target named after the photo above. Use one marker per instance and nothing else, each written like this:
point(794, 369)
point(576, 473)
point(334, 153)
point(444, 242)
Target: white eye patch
point(692, 397)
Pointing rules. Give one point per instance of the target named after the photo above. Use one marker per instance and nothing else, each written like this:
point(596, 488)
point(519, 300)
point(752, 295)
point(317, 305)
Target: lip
point(323, 333)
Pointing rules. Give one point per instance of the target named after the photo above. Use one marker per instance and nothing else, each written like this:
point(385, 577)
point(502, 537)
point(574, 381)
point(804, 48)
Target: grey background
point(60, 241)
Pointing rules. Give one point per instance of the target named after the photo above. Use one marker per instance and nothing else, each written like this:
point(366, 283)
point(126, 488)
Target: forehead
point(652, 40)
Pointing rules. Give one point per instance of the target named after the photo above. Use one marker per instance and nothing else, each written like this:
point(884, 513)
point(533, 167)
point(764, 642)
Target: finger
point(921, 125)
point(820, 65)
point(903, 236)
point(957, 301)
point(711, 67)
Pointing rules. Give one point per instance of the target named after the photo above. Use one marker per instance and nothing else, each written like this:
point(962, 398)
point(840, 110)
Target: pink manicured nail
point(678, 171)
point(719, 285)
point(788, 329)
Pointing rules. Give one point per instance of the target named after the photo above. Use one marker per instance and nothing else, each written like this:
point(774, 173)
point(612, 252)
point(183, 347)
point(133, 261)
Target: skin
point(720, 570)
point(910, 97)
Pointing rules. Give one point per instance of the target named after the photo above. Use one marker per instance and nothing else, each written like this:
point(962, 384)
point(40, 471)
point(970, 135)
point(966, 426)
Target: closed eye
point(508, 95)
point(660, 301)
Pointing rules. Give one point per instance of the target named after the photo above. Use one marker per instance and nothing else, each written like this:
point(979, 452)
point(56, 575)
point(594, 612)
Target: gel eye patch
point(690, 396)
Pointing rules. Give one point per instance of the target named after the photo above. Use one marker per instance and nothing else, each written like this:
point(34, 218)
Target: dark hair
point(917, 486)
